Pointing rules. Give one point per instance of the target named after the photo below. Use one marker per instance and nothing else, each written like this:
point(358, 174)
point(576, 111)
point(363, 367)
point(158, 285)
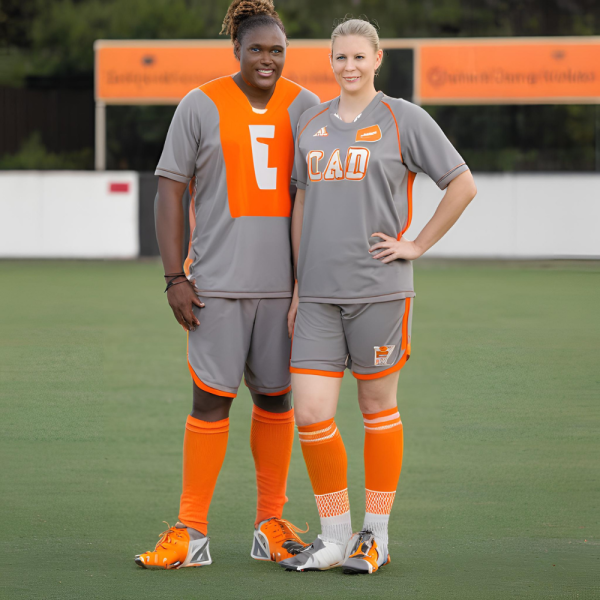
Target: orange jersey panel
point(258, 149)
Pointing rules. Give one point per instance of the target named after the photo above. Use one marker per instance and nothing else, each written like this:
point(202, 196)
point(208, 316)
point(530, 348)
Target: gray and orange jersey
point(358, 179)
point(241, 163)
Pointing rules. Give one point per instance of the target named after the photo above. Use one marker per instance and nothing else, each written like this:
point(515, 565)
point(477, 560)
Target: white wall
point(74, 215)
point(542, 215)
point(68, 214)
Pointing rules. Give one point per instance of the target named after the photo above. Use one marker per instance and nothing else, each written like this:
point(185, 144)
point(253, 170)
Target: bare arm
point(170, 231)
point(297, 217)
point(458, 195)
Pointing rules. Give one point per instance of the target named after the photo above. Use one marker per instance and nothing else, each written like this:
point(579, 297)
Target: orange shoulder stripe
point(397, 128)
point(320, 113)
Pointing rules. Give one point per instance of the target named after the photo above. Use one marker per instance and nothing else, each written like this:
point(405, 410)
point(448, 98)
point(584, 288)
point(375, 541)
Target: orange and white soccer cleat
point(276, 539)
point(366, 555)
point(175, 549)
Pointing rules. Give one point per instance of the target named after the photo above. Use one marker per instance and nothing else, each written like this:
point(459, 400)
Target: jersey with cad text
point(358, 179)
point(240, 163)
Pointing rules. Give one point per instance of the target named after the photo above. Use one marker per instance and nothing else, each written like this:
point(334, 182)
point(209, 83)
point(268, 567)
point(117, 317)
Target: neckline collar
point(243, 99)
point(339, 124)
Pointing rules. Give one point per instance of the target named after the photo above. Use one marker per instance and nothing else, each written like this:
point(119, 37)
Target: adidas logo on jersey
point(321, 133)
point(382, 354)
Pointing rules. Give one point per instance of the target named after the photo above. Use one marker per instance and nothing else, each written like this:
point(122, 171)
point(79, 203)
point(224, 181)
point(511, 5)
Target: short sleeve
point(305, 101)
point(425, 148)
point(300, 170)
point(178, 158)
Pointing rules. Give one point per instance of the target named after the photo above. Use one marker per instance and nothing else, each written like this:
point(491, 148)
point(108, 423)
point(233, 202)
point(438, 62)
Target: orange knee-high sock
point(271, 439)
point(384, 443)
point(204, 447)
point(327, 464)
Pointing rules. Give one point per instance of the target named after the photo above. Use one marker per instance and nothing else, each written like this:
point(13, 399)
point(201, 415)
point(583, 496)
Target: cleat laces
point(167, 537)
point(289, 531)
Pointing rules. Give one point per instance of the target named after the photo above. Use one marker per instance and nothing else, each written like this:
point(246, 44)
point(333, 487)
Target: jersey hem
point(240, 295)
point(366, 300)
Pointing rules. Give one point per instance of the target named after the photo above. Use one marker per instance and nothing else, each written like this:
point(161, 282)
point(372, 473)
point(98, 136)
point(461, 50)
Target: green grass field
point(500, 489)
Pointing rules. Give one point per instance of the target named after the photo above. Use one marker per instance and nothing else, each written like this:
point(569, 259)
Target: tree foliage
point(55, 38)
point(34, 155)
point(60, 33)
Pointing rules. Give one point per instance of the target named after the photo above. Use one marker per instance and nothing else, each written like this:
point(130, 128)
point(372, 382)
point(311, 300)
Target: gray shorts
point(371, 339)
point(244, 336)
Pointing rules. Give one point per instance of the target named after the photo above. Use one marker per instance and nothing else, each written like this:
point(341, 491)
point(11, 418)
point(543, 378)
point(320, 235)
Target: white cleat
point(321, 555)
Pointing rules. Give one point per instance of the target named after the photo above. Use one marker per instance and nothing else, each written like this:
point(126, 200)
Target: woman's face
point(354, 62)
point(262, 56)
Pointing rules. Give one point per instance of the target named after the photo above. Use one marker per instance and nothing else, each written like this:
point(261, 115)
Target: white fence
point(69, 214)
point(514, 215)
point(95, 215)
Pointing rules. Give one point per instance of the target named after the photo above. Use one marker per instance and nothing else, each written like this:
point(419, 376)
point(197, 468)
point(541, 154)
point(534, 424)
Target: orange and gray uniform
point(358, 179)
point(241, 162)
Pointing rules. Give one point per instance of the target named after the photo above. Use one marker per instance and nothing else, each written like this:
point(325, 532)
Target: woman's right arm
point(297, 217)
point(170, 231)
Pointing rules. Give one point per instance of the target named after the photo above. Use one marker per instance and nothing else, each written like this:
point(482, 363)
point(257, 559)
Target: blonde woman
point(356, 160)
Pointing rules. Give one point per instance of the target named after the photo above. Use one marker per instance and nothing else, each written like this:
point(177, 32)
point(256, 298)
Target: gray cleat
point(321, 555)
point(366, 554)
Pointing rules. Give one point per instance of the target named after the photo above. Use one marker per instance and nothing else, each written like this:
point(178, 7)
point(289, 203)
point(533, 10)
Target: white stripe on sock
point(383, 427)
point(396, 415)
point(326, 437)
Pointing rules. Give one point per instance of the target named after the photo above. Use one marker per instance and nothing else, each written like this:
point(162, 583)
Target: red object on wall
point(119, 188)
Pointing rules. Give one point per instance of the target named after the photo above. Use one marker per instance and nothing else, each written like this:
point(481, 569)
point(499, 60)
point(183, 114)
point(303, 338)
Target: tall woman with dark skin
point(232, 138)
point(263, 49)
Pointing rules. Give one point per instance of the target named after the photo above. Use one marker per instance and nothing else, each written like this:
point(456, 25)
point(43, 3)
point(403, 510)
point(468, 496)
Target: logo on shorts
point(382, 353)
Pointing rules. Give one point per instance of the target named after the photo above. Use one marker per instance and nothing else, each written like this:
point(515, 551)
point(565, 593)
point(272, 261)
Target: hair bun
point(240, 10)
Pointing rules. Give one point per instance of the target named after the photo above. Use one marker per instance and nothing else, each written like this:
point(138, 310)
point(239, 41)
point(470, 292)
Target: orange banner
point(491, 72)
point(164, 73)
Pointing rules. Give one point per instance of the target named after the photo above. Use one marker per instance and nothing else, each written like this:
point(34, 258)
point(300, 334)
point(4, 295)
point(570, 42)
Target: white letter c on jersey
point(266, 177)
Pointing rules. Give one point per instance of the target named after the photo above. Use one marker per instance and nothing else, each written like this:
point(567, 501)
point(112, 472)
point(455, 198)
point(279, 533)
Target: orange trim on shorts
point(207, 388)
point(389, 371)
point(405, 346)
point(287, 389)
point(316, 372)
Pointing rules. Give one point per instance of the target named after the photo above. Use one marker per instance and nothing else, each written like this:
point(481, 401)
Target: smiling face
point(354, 62)
point(262, 56)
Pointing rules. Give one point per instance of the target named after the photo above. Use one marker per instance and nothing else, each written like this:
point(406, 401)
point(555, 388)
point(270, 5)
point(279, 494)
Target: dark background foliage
point(47, 45)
